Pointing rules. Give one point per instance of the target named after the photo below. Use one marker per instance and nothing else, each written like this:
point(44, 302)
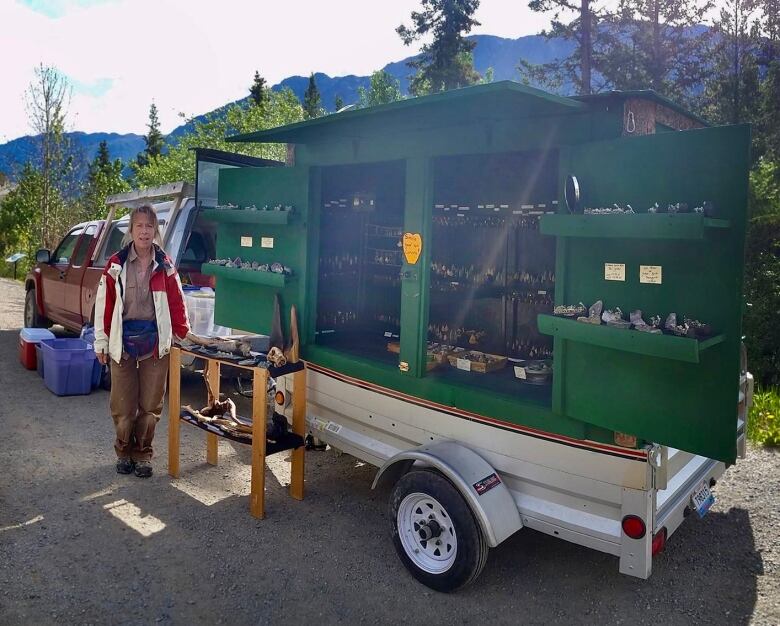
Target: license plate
point(702, 500)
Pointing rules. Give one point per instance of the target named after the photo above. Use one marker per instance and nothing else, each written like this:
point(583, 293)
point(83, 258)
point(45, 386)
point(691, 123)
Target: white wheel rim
point(435, 555)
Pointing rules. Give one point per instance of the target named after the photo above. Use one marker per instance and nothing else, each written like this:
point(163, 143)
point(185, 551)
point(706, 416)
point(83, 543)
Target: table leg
point(212, 441)
point(259, 417)
point(299, 428)
point(174, 407)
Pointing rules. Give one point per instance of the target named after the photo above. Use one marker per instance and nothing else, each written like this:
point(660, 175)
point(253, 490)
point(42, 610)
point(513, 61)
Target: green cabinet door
point(264, 234)
point(676, 391)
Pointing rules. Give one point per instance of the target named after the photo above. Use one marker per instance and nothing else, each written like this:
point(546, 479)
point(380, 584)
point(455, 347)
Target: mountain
point(499, 53)
point(15, 153)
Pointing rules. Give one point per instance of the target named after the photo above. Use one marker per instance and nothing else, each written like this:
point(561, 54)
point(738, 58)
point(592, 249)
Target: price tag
point(615, 271)
point(266, 242)
point(246, 242)
point(650, 274)
point(463, 364)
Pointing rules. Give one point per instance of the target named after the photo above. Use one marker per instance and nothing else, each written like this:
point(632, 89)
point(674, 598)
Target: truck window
point(78, 258)
point(114, 243)
point(64, 251)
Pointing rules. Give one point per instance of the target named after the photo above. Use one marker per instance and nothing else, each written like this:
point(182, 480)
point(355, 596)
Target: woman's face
point(142, 232)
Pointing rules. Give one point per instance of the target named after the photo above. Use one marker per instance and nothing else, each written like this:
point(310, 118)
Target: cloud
point(121, 55)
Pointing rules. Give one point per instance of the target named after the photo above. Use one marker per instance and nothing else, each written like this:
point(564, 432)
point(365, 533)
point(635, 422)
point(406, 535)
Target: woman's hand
point(102, 357)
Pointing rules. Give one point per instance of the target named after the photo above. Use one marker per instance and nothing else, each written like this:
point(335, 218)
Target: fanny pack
point(139, 337)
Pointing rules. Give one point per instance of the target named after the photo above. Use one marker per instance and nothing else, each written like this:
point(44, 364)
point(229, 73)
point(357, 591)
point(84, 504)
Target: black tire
point(32, 318)
point(468, 541)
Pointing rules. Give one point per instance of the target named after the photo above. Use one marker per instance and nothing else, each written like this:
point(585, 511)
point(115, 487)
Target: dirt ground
point(81, 544)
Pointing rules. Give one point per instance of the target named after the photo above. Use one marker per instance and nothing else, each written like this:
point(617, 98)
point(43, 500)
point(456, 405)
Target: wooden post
point(212, 442)
point(259, 417)
point(174, 406)
point(299, 428)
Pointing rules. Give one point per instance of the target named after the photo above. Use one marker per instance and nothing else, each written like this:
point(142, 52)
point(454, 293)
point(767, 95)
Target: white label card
point(464, 364)
point(266, 242)
point(520, 372)
point(651, 274)
point(615, 271)
point(246, 242)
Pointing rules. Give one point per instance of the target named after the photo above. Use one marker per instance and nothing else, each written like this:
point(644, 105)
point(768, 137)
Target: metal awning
point(488, 102)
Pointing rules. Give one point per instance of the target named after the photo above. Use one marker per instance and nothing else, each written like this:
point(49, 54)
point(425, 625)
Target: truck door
point(53, 276)
point(74, 310)
point(672, 390)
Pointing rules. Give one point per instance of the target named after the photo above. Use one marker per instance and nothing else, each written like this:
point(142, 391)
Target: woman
point(139, 308)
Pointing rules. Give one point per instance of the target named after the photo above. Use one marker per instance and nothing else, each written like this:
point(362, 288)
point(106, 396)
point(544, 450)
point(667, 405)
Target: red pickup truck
point(61, 288)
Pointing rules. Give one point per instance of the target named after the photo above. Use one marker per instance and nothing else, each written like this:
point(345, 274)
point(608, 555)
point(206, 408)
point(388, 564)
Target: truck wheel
point(435, 533)
point(33, 319)
point(105, 377)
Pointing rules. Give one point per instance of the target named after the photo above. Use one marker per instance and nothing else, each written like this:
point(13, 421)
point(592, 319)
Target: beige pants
point(137, 393)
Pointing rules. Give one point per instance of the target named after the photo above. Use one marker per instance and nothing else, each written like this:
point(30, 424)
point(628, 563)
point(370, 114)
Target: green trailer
point(439, 251)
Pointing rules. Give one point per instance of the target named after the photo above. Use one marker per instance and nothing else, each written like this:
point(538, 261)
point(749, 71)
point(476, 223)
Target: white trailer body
point(576, 490)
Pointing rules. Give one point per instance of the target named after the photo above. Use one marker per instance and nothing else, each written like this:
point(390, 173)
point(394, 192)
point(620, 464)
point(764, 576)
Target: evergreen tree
point(660, 45)
point(383, 88)
point(731, 93)
point(311, 99)
point(338, 103)
point(104, 177)
point(20, 216)
point(770, 31)
point(258, 90)
point(153, 139)
point(584, 24)
point(767, 133)
point(447, 62)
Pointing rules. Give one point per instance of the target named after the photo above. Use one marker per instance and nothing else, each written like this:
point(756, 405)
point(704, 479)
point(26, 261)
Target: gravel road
point(80, 544)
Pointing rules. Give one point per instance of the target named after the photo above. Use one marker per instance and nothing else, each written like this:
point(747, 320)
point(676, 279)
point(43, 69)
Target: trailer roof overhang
point(501, 100)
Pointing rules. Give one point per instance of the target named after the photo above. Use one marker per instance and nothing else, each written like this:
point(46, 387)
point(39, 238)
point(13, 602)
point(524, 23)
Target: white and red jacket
point(169, 309)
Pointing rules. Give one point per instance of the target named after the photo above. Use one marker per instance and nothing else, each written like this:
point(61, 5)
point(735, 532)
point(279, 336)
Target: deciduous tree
point(382, 89)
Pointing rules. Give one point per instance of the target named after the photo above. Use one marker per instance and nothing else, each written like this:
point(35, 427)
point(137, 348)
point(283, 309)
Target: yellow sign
point(412, 247)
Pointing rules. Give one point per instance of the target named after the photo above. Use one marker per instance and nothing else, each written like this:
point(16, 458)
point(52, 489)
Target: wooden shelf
point(246, 216)
point(270, 279)
point(662, 346)
point(638, 226)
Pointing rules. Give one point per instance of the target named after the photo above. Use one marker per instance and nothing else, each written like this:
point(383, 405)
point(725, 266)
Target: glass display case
point(492, 271)
point(359, 285)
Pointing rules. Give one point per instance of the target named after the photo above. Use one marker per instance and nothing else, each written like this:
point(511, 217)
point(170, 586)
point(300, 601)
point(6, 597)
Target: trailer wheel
point(435, 533)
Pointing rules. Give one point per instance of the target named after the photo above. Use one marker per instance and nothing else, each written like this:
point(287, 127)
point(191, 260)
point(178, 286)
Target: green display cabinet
point(441, 221)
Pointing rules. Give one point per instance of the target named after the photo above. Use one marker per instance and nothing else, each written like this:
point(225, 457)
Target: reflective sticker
point(487, 483)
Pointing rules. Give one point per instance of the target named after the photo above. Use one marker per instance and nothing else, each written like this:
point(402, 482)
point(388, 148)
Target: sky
point(190, 56)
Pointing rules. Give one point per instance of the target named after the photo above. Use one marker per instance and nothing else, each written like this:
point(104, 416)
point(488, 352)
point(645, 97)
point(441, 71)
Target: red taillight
point(633, 526)
point(659, 541)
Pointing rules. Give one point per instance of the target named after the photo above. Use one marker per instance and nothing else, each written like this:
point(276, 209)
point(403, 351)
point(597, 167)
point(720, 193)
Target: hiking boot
point(124, 466)
point(143, 469)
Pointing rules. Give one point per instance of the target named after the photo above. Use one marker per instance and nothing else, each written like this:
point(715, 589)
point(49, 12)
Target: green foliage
point(767, 131)
point(582, 24)
point(311, 100)
point(258, 90)
point(763, 425)
point(104, 178)
point(762, 273)
point(446, 63)
point(178, 162)
point(383, 89)
point(19, 219)
point(154, 138)
point(338, 103)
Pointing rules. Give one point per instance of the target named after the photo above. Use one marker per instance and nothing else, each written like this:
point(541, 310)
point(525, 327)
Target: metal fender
point(479, 484)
